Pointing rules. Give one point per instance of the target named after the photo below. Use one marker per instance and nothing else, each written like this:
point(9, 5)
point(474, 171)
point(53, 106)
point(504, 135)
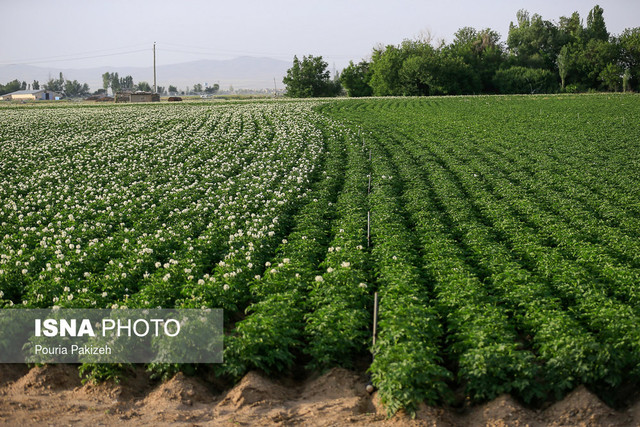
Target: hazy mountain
point(243, 73)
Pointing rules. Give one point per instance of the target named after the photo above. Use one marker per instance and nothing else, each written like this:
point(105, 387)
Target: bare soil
point(54, 395)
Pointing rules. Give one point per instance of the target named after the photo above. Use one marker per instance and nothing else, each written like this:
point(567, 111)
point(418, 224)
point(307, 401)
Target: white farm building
point(31, 95)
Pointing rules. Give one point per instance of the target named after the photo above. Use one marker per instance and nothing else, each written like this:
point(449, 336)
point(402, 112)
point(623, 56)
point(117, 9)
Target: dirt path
point(54, 395)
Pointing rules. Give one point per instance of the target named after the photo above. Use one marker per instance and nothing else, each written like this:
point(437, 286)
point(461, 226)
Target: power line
point(65, 58)
point(219, 53)
point(197, 50)
point(190, 50)
point(208, 50)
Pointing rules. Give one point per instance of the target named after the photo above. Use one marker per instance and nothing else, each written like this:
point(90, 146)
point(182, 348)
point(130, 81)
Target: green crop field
point(502, 234)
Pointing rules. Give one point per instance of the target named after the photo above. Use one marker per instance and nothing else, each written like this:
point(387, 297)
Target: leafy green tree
point(592, 60)
point(482, 51)
point(197, 88)
point(144, 86)
point(586, 52)
point(596, 28)
point(629, 43)
point(454, 77)
point(309, 78)
point(212, 89)
point(415, 78)
point(173, 89)
point(69, 88)
point(74, 89)
point(56, 85)
point(417, 68)
point(52, 84)
point(115, 82)
point(35, 85)
point(296, 88)
point(12, 86)
point(335, 87)
point(106, 81)
point(385, 68)
point(355, 79)
point(416, 75)
point(563, 64)
point(626, 81)
point(578, 54)
point(570, 30)
point(533, 41)
point(525, 80)
point(539, 56)
point(611, 77)
point(126, 83)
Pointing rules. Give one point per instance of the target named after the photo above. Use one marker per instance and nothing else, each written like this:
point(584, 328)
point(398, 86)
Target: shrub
point(524, 80)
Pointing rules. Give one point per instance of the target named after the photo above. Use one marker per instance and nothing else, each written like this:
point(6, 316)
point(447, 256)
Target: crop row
point(528, 235)
point(159, 215)
point(499, 233)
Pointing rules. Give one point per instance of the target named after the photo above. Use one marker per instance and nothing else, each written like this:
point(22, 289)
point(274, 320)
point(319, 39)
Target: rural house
point(138, 96)
point(31, 95)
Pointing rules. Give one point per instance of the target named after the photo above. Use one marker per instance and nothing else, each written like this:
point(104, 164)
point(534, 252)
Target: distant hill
point(242, 73)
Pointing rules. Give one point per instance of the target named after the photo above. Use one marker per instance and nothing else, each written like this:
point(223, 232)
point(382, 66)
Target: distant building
point(138, 96)
point(32, 95)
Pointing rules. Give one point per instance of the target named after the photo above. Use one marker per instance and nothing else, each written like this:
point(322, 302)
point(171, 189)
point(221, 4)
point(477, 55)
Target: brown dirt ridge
point(54, 395)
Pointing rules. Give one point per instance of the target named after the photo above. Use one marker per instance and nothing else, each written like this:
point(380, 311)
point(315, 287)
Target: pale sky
point(93, 33)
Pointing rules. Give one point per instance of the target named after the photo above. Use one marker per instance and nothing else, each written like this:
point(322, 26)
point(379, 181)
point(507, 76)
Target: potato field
point(502, 234)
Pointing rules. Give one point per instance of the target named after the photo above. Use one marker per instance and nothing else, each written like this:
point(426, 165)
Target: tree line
point(126, 83)
point(539, 56)
point(74, 89)
point(65, 87)
point(117, 83)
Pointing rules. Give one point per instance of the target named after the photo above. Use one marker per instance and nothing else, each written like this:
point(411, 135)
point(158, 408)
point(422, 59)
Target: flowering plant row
point(272, 334)
point(183, 210)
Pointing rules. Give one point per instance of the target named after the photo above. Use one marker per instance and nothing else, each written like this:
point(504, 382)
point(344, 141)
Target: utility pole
point(155, 88)
point(275, 88)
